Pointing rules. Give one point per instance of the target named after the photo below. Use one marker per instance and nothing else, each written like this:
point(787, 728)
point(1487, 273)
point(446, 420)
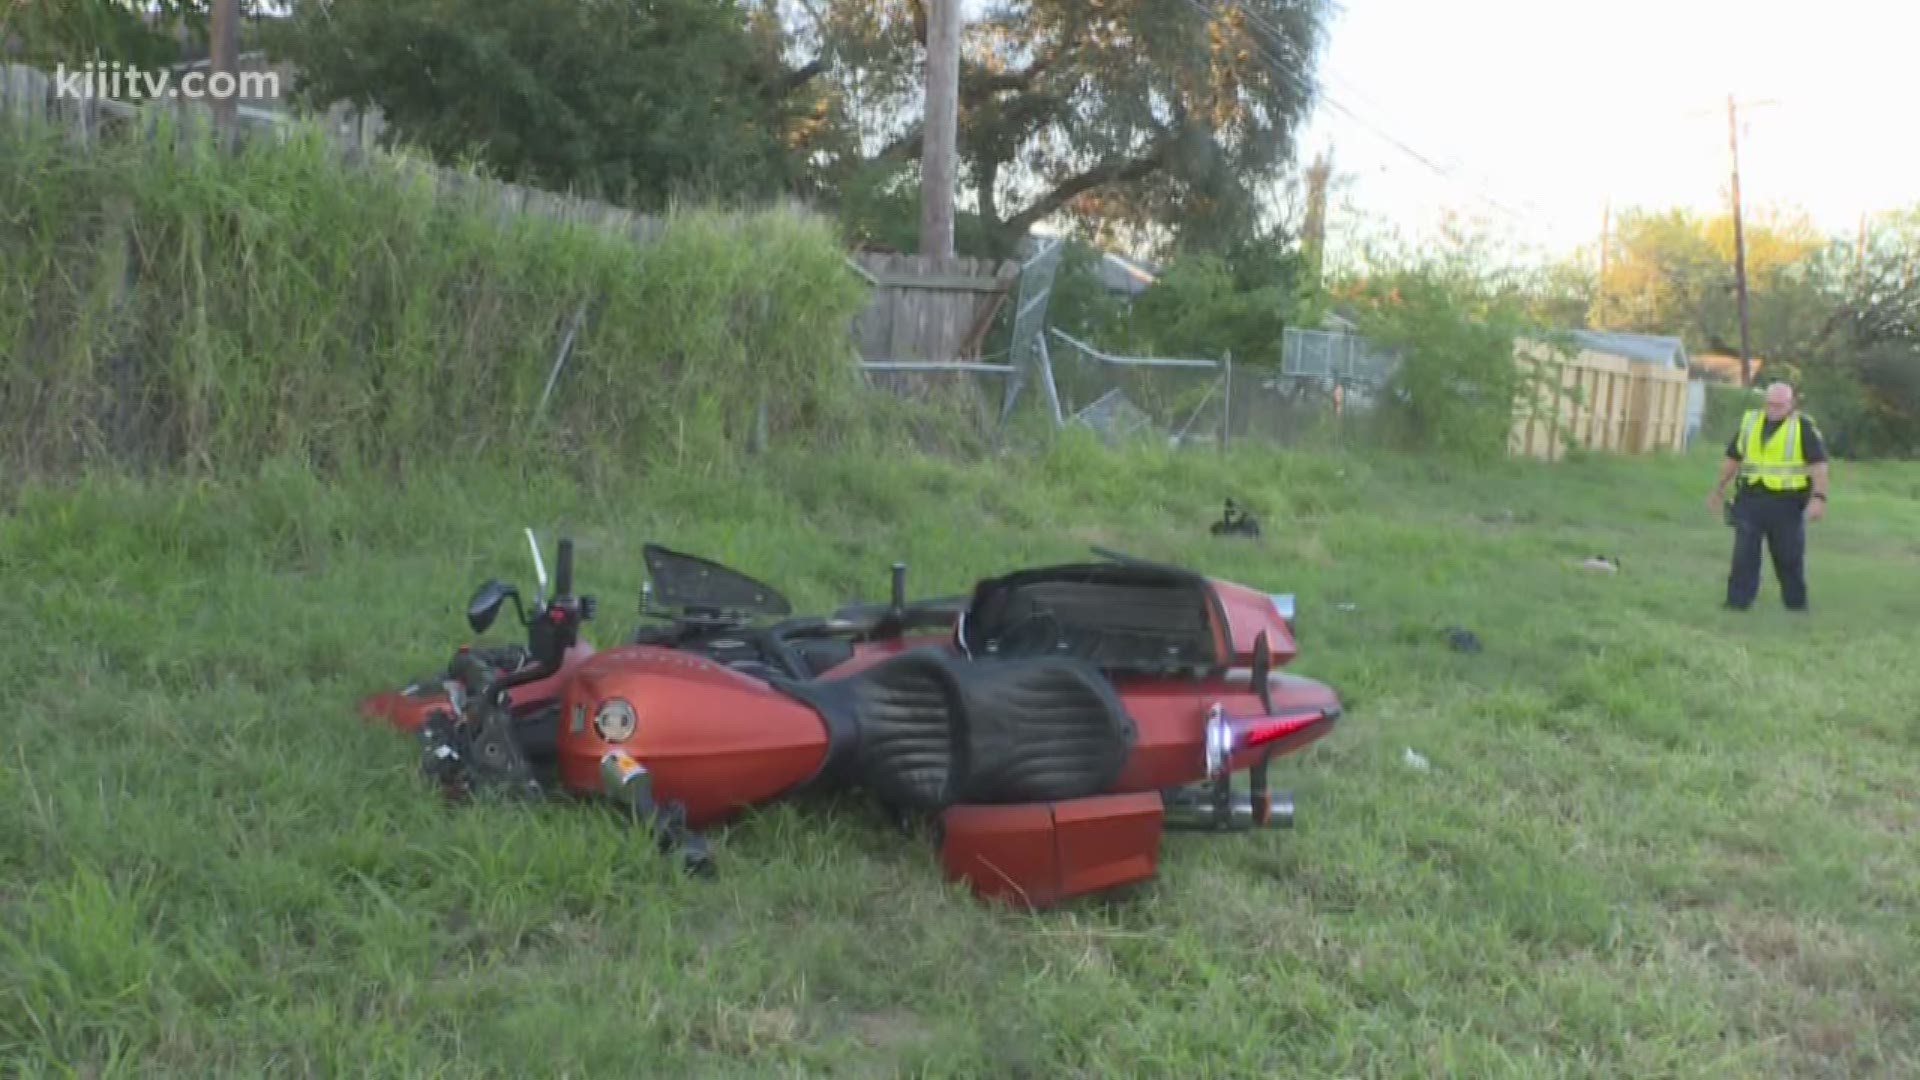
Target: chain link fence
point(1184, 401)
point(1325, 387)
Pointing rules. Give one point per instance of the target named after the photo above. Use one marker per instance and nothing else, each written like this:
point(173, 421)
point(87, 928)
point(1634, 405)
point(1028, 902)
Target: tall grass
point(165, 305)
point(1654, 839)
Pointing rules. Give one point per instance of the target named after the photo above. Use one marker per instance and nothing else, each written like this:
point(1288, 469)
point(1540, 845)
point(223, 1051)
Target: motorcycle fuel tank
point(713, 739)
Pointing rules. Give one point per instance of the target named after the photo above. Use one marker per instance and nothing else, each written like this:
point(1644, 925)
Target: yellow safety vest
point(1778, 463)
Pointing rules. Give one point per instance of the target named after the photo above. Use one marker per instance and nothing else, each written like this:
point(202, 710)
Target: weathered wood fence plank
point(1605, 403)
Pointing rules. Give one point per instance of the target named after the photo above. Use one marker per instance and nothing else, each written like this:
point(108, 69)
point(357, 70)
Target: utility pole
point(940, 131)
point(225, 57)
point(1860, 249)
point(1316, 225)
point(1600, 287)
point(1739, 247)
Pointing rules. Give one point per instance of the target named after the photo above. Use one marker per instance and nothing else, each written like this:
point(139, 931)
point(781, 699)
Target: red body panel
point(1171, 716)
point(1248, 612)
point(713, 739)
point(1039, 854)
point(407, 711)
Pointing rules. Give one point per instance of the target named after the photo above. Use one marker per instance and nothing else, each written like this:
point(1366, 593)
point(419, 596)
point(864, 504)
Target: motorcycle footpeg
point(696, 858)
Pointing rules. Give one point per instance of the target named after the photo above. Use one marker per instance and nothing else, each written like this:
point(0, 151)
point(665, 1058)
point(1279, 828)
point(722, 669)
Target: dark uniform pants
point(1781, 522)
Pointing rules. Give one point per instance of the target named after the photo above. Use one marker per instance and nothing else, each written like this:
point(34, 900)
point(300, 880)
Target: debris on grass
point(1235, 522)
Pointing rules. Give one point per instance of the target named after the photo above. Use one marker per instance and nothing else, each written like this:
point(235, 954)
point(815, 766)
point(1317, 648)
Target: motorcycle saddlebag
point(1120, 617)
point(1039, 854)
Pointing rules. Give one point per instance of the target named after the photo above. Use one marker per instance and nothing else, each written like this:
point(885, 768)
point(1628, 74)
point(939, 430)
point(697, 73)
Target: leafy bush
point(1456, 384)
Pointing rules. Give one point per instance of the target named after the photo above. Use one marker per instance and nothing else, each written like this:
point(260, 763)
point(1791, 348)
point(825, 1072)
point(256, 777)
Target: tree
point(635, 101)
point(77, 32)
point(1561, 295)
point(1207, 303)
point(1672, 273)
point(1161, 120)
point(1165, 119)
point(1861, 369)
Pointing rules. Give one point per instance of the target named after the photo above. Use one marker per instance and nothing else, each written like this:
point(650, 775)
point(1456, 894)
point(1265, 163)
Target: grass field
point(1655, 838)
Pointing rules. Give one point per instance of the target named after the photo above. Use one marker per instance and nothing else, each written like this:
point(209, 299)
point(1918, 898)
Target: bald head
point(1779, 401)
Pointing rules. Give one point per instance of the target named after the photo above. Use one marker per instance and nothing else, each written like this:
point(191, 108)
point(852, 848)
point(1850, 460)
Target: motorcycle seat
point(926, 729)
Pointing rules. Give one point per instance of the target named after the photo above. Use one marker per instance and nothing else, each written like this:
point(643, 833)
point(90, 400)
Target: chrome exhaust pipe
point(1280, 810)
point(1198, 808)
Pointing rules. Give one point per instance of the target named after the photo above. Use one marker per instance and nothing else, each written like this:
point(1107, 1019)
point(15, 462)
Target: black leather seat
point(927, 729)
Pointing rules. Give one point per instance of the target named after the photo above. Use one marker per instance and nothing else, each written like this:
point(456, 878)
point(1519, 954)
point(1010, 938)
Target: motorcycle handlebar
point(563, 569)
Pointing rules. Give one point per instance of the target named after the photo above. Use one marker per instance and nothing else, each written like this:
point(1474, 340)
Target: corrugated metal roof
point(1648, 348)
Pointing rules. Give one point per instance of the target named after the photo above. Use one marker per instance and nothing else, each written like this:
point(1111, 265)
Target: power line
point(1314, 89)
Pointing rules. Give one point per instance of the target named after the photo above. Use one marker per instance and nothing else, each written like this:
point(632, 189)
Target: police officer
point(1782, 464)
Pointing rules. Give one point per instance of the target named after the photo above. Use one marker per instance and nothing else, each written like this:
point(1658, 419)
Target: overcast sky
point(1550, 107)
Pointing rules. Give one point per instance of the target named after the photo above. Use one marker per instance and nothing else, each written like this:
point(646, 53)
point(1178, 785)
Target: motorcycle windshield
point(688, 581)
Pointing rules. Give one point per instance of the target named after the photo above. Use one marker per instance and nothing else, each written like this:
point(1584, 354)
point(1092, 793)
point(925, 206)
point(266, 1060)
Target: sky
point(1551, 109)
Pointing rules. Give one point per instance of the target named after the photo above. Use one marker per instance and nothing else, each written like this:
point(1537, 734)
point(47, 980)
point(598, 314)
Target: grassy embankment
point(1654, 838)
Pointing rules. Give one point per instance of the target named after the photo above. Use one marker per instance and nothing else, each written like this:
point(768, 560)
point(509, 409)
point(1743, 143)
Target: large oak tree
point(1165, 118)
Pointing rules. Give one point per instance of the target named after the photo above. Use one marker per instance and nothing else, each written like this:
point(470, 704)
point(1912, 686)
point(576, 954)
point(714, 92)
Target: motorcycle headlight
point(615, 720)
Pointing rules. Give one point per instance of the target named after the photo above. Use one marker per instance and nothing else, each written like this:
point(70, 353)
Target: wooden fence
point(1605, 403)
point(929, 309)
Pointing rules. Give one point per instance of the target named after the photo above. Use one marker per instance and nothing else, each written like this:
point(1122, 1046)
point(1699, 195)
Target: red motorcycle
point(1052, 723)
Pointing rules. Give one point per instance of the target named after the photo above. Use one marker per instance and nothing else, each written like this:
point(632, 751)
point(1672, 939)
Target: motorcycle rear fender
point(1171, 717)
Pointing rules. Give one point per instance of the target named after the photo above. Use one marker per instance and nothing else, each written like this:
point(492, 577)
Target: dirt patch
point(893, 1030)
point(743, 1032)
point(1818, 957)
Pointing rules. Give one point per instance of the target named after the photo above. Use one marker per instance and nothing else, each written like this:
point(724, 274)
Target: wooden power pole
point(1739, 246)
point(1600, 286)
point(1860, 250)
point(940, 131)
point(1315, 231)
point(225, 57)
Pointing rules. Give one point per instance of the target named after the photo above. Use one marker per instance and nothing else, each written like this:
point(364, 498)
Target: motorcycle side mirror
point(486, 603)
